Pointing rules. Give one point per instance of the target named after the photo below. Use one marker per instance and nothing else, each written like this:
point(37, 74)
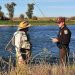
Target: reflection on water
point(39, 37)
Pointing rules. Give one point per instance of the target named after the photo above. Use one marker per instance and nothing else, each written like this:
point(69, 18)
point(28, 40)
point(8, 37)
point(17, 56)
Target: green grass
point(34, 22)
point(10, 23)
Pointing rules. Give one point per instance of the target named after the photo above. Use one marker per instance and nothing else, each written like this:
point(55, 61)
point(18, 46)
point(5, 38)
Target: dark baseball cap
point(60, 19)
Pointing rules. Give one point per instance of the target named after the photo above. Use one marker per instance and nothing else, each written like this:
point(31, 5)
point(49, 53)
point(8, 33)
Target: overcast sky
point(49, 8)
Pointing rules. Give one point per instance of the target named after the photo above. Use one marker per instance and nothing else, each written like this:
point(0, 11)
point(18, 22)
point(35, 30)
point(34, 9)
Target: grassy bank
point(34, 22)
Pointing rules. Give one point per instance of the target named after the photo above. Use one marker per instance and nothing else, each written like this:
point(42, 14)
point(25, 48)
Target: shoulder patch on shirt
point(65, 32)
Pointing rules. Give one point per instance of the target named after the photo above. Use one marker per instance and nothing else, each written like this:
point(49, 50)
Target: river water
point(39, 37)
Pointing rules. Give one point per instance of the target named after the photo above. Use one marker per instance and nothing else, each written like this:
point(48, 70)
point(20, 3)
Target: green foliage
point(34, 18)
point(0, 8)
point(10, 8)
point(29, 13)
point(1, 14)
point(22, 17)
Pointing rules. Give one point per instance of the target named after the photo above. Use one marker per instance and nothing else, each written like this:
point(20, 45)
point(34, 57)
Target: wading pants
point(25, 53)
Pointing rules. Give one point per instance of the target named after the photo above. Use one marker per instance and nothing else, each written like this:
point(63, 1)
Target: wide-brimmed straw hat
point(24, 24)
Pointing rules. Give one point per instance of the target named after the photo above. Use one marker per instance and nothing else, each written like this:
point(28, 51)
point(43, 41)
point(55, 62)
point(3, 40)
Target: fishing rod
point(39, 8)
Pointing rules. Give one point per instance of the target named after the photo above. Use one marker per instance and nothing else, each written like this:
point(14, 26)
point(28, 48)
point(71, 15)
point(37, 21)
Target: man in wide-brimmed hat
point(22, 43)
point(63, 40)
point(24, 24)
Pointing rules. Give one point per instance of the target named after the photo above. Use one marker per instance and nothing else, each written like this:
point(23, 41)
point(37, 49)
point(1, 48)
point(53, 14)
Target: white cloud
point(45, 1)
point(61, 0)
point(62, 7)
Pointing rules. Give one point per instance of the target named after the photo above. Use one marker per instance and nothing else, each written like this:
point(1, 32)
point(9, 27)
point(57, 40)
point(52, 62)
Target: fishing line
point(39, 8)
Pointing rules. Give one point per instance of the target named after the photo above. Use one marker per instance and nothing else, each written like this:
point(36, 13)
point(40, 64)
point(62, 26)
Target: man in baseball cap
point(60, 19)
point(63, 40)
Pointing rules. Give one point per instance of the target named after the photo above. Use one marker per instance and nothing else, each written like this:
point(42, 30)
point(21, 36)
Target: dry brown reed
point(41, 69)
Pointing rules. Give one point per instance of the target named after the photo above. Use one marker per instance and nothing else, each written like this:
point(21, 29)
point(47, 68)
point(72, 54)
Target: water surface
point(39, 37)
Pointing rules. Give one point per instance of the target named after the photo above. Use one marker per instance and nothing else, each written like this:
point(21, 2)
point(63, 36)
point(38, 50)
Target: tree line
point(11, 8)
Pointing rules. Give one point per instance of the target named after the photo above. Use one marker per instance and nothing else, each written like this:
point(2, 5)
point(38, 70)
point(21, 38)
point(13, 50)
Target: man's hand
point(54, 39)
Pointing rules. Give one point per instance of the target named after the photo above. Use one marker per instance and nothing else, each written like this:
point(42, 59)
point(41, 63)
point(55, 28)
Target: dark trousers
point(64, 53)
point(25, 53)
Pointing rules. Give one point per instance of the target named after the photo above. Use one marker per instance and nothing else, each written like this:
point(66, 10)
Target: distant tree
point(29, 13)
point(72, 18)
point(34, 18)
point(1, 13)
point(0, 8)
point(22, 17)
point(10, 8)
